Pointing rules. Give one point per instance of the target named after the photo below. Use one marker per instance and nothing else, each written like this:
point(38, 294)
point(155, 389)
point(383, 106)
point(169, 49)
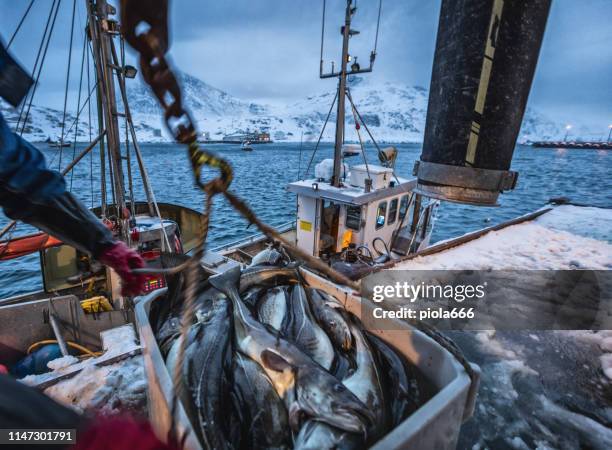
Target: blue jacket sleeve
point(23, 169)
point(32, 193)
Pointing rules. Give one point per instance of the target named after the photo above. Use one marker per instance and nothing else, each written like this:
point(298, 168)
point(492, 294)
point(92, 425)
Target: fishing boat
point(356, 218)
point(58, 144)
point(246, 146)
point(578, 145)
point(79, 297)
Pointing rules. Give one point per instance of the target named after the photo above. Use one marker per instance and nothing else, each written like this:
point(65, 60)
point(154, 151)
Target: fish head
point(269, 257)
point(340, 332)
point(323, 397)
point(227, 282)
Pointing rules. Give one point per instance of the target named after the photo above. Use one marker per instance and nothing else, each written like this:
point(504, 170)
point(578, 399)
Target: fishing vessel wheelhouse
point(357, 216)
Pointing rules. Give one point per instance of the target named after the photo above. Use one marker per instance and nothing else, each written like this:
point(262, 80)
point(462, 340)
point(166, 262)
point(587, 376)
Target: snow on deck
point(104, 389)
point(539, 389)
point(568, 237)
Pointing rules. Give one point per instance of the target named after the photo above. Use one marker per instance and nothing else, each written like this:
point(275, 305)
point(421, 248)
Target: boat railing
point(253, 238)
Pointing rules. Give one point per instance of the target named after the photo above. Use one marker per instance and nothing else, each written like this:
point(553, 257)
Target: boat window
point(353, 217)
point(392, 211)
point(403, 207)
point(381, 213)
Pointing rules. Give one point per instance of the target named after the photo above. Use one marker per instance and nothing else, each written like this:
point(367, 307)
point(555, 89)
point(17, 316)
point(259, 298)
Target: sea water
point(261, 177)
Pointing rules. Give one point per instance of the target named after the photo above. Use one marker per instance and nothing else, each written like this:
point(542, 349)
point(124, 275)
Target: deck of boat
point(537, 380)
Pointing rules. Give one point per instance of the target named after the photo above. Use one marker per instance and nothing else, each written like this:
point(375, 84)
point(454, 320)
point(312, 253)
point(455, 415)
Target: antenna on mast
point(342, 75)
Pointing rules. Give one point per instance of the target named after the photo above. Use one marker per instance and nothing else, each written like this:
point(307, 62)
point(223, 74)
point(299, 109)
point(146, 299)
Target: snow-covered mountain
point(393, 112)
point(45, 123)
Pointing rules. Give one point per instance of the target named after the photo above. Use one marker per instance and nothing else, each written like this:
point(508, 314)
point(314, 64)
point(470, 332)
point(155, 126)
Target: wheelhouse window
point(381, 214)
point(353, 217)
point(403, 206)
point(392, 211)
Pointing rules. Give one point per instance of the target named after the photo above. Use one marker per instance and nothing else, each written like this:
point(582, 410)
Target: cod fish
point(302, 329)
point(208, 360)
point(316, 435)
point(272, 307)
point(267, 257)
point(260, 406)
point(328, 315)
point(404, 394)
point(267, 276)
point(365, 381)
point(305, 387)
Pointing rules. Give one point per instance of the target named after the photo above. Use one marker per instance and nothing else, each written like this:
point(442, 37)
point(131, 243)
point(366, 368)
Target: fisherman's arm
point(32, 193)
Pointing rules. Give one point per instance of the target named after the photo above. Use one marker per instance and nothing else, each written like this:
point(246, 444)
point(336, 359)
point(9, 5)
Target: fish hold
point(403, 394)
point(260, 407)
point(267, 276)
point(316, 435)
point(208, 364)
point(305, 387)
point(326, 311)
point(302, 329)
point(272, 307)
point(365, 382)
point(267, 257)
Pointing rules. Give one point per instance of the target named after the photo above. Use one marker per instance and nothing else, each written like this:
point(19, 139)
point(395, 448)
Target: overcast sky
point(268, 50)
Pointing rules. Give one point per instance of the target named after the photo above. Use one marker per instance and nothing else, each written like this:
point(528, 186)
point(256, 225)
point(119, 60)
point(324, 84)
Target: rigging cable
point(314, 152)
point(76, 128)
point(25, 14)
point(67, 82)
point(377, 27)
point(91, 181)
point(35, 68)
point(40, 67)
point(85, 103)
point(322, 38)
point(380, 153)
point(365, 160)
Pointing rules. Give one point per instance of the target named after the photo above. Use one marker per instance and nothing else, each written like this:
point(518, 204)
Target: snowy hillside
point(45, 123)
point(393, 112)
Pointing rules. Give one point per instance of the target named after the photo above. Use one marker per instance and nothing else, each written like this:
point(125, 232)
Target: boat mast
point(341, 96)
point(342, 75)
point(100, 28)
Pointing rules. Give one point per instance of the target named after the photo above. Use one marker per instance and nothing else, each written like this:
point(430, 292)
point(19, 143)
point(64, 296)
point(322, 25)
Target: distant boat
point(60, 144)
point(598, 145)
point(246, 146)
point(57, 144)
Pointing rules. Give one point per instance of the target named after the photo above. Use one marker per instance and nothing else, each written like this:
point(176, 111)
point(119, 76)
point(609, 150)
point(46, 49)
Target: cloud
point(268, 50)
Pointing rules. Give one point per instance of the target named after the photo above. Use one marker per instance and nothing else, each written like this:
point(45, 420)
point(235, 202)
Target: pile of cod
point(273, 363)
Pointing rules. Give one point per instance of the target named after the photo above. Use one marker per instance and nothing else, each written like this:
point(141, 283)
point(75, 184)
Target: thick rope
point(188, 312)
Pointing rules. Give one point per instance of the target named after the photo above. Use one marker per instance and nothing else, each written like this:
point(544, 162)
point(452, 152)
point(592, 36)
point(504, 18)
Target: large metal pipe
point(485, 58)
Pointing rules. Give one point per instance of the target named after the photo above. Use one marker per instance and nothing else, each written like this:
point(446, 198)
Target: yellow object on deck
point(305, 225)
point(85, 350)
point(346, 238)
point(96, 304)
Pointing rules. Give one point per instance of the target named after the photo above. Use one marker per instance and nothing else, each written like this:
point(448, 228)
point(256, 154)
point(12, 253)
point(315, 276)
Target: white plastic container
point(380, 176)
point(435, 425)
